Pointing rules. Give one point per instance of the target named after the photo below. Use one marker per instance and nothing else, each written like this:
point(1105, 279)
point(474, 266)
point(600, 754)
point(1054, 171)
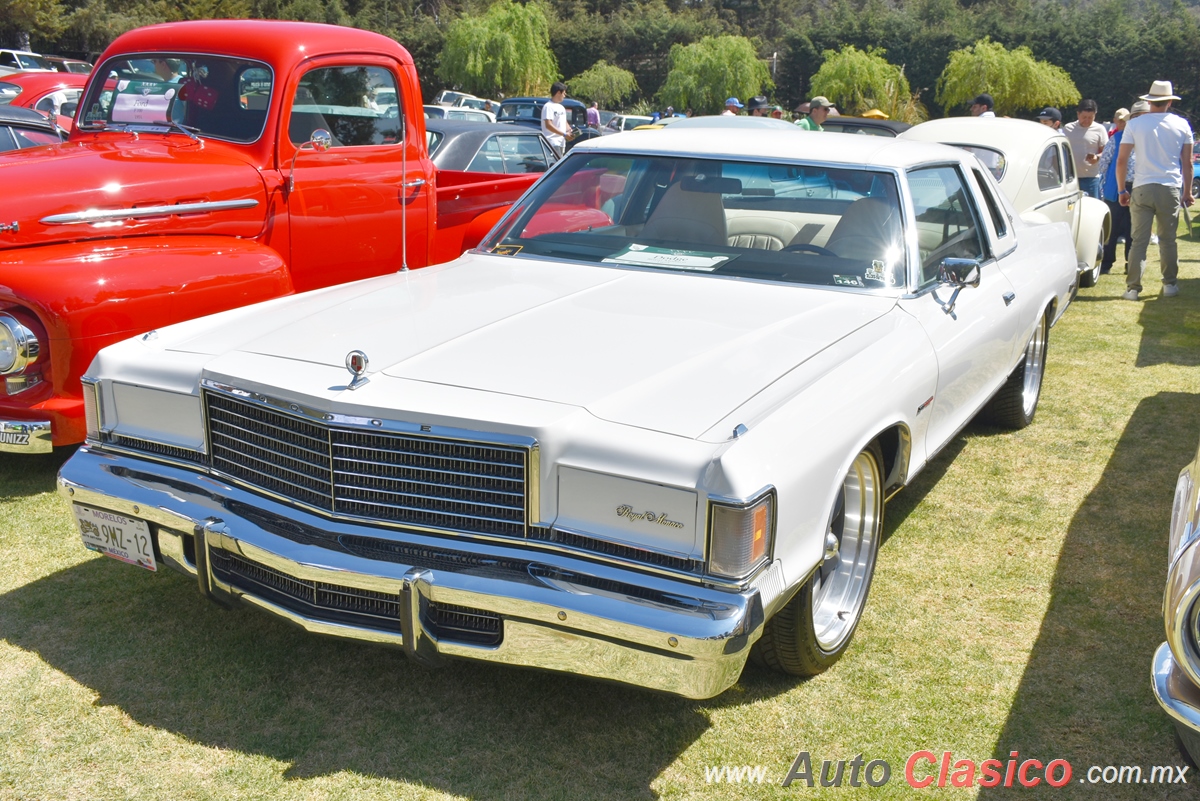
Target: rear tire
point(1088, 278)
point(1016, 402)
point(814, 629)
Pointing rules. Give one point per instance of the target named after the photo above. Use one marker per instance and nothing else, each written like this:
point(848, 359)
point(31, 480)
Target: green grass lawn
point(1016, 607)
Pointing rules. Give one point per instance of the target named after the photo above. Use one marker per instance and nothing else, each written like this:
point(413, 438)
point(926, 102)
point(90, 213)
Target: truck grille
point(425, 482)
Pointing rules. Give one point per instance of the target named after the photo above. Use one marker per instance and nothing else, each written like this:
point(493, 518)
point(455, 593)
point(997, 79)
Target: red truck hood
point(119, 171)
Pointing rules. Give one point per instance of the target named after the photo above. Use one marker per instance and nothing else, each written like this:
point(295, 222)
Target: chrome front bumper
point(550, 610)
point(25, 436)
point(1178, 697)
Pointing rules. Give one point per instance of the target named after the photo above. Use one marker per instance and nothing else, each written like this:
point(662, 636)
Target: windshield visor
point(804, 224)
point(223, 98)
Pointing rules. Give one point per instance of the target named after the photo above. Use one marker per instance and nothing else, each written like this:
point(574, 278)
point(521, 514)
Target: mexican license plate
point(124, 538)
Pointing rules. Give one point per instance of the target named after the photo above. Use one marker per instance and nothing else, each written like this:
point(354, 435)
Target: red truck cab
point(215, 164)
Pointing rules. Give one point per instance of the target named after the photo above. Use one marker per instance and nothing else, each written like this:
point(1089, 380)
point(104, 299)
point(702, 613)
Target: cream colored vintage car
point(649, 424)
point(1033, 164)
point(1175, 675)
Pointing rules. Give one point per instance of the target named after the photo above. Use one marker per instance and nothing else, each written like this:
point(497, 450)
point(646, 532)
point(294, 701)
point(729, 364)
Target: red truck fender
point(79, 297)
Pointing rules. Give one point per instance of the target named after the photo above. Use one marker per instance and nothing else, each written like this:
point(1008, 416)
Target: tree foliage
point(605, 83)
point(857, 80)
point(505, 50)
point(1014, 78)
point(704, 74)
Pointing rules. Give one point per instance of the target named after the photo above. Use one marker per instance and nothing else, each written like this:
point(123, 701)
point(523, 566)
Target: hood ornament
point(357, 363)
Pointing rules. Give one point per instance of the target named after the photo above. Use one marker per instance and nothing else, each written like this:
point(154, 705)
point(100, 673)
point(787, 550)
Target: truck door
point(353, 206)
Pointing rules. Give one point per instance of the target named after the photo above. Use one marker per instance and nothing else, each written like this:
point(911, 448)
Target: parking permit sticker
point(848, 280)
point(645, 256)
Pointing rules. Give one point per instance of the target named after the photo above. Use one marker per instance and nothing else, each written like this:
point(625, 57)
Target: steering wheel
point(801, 246)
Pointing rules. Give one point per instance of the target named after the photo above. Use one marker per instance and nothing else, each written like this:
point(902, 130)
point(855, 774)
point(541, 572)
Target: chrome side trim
point(1175, 693)
point(25, 436)
point(110, 215)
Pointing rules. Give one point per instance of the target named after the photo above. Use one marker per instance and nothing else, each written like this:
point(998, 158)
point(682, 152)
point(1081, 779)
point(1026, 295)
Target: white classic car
point(649, 424)
point(1175, 674)
point(1033, 164)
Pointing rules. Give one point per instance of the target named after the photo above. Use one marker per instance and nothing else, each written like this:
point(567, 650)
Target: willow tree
point(702, 75)
point(857, 81)
point(605, 83)
point(1014, 78)
point(507, 49)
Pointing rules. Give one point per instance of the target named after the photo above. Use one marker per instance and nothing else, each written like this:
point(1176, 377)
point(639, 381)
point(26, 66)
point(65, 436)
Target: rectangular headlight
point(740, 537)
point(91, 411)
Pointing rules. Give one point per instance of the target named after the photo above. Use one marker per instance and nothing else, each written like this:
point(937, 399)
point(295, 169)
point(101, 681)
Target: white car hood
point(668, 352)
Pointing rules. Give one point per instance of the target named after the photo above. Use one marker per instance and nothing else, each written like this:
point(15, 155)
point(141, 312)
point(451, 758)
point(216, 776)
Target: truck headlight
point(18, 346)
point(740, 536)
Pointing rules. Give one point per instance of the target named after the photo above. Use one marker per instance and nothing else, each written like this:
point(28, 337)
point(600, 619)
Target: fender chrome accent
point(110, 215)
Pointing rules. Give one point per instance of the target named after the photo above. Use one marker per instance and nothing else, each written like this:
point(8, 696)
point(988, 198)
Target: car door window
point(1050, 169)
point(1068, 161)
point(523, 154)
point(489, 158)
point(945, 218)
point(995, 212)
point(344, 101)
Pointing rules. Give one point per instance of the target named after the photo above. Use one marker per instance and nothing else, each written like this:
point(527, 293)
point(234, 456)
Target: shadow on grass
point(1085, 693)
point(150, 645)
point(23, 475)
point(1171, 328)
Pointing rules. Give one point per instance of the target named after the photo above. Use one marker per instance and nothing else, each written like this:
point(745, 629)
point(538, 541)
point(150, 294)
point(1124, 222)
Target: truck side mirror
point(957, 273)
point(320, 140)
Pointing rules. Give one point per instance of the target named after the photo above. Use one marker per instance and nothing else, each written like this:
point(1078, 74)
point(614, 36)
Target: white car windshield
point(217, 96)
point(797, 223)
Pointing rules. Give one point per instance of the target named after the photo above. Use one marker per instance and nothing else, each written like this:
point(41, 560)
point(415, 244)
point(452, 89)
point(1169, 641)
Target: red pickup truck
point(215, 164)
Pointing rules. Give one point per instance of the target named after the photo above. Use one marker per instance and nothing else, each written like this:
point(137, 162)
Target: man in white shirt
point(1087, 138)
point(1163, 181)
point(982, 105)
point(554, 119)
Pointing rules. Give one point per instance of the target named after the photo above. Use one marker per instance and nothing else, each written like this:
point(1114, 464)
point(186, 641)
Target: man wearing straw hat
point(1163, 143)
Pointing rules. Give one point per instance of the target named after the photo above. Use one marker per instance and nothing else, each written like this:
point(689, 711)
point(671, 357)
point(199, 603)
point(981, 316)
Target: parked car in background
point(1175, 673)
point(478, 103)
point(625, 122)
point(528, 111)
point(56, 92)
point(447, 97)
point(1035, 169)
point(865, 125)
point(455, 113)
point(245, 165)
point(487, 147)
point(648, 425)
point(22, 128)
point(74, 65)
point(21, 61)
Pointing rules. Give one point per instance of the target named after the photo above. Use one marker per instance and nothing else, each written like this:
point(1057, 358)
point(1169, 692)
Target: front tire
point(1016, 402)
point(814, 629)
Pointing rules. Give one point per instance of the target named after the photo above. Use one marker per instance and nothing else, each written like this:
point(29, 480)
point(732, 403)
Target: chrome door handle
point(1009, 297)
point(413, 184)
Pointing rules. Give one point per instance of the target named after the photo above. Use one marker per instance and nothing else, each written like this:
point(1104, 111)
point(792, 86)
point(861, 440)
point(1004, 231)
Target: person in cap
point(1161, 187)
point(818, 111)
point(982, 106)
point(758, 106)
point(1087, 138)
point(732, 107)
point(777, 112)
point(1050, 116)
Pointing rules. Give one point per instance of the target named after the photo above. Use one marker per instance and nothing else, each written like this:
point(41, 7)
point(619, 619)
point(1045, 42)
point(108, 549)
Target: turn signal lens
point(740, 537)
point(91, 411)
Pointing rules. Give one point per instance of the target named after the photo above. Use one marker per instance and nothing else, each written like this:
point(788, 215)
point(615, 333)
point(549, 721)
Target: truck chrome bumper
point(435, 596)
point(1178, 697)
point(25, 436)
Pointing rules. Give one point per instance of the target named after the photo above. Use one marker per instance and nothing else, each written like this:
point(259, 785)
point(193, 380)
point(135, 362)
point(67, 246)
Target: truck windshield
point(215, 96)
point(799, 223)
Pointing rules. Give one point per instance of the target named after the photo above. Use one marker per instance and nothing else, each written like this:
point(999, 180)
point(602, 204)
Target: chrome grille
point(420, 481)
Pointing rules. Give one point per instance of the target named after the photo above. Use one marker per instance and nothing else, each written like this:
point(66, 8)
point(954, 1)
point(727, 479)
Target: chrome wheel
point(1035, 366)
point(839, 587)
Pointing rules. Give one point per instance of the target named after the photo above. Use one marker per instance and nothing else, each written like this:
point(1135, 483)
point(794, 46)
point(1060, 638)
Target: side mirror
point(959, 273)
point(320, 141)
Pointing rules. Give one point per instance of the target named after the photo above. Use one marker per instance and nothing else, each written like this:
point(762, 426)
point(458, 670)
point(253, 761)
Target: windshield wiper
point(179, 126)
